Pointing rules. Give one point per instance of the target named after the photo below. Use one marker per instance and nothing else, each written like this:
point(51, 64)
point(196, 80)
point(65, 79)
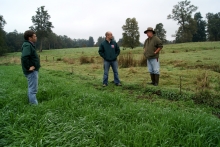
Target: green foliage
point(207, 98)
point(41, 24)
point(90, 42)
point(160, 32)
point(213, 29)
point(100, 40)
point(14, 41)
point(182, 14)
point(200, 34)
point(3, 46)
point(120, 41)
point(131, 33)
point(2, 22)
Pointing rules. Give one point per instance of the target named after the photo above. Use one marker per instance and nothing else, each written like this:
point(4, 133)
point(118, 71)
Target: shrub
point(85, 60)
point(68, 60)
point(206, 97)
point(127, 60)
point(59, 59)
point(143, 61)
point(202, 81)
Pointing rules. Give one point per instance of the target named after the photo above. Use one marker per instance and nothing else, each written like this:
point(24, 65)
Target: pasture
point(75, 110)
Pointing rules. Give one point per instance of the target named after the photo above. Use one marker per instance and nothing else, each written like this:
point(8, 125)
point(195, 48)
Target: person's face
point(33, 38)
point(110, 36)
point(149, 34)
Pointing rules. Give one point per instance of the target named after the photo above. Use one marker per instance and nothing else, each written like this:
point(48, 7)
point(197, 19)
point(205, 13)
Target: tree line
point(192, 28)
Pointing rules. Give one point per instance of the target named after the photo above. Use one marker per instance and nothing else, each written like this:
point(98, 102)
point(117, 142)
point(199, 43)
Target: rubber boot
point(152, 79)
point(157, 76)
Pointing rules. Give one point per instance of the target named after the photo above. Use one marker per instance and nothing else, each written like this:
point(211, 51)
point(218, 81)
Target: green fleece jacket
point(29, 57)
point(109, 51)
point(150, 46)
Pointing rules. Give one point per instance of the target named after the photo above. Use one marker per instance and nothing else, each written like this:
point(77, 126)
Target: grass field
point(74, 109)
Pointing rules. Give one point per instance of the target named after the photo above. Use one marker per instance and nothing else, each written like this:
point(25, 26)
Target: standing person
point(30, 64)
point(152, 47)
point(109, 51)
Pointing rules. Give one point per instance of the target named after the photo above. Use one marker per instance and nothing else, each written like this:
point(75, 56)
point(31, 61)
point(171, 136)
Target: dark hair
point(28, 33)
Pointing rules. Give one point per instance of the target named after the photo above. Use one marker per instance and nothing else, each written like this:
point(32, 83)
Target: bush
point(143, 61)
point(127, 60)
point(206, 97)
point(59, 59)
point(202, 81)
point(85, 60)
point(68, 60)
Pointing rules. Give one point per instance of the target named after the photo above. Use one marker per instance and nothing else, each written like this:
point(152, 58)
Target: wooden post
point(180, 85)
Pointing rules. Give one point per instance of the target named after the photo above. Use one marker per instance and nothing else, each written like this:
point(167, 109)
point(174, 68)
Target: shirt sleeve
point(145, 43)
point(26, 54)
point(101, 51)
point(117, 49)
point(159, 43)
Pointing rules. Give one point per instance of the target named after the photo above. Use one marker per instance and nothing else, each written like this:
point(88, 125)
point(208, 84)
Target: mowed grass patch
point(71, 112)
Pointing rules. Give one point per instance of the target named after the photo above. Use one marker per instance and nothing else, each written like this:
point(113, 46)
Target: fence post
point(180, 85)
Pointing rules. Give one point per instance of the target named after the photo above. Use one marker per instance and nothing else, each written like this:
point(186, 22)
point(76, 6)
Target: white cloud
point(84, 18)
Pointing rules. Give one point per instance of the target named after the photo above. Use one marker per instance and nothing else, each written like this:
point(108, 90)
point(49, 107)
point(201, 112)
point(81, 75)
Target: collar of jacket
point(30, 42)
point(107, 41)
point(151, 37)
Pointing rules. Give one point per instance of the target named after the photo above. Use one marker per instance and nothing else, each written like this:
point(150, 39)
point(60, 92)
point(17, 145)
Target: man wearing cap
point(152, 47)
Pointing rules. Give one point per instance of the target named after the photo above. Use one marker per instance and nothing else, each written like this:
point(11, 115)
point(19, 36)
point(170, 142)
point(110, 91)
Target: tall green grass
point(72, 112)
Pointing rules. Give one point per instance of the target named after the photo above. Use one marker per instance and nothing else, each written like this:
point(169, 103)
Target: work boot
point(152, 79)
point(156, 79)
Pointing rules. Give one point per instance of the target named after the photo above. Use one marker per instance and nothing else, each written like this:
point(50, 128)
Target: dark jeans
point(114, 65)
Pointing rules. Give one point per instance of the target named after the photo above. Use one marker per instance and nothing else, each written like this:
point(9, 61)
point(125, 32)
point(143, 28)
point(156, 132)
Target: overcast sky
point(84, 18)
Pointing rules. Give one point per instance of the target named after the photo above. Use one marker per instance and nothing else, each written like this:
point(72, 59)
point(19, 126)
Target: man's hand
point(144, 51)
point(158, 50)
point(31, 68)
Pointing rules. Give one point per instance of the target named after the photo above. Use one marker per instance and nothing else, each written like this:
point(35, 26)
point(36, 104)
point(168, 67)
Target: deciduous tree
point(182, 14)
point(200, 34)
point(131, 33)
point(213, 26)
point(41, 24)
point(3, 46)
point(160, 32)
